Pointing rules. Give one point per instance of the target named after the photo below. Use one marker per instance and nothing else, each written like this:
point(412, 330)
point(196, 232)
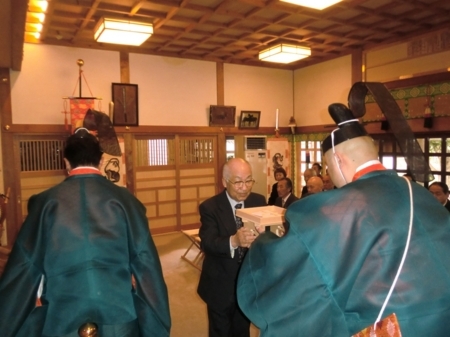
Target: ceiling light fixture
point(316, 4)
point(122, 32)
point(284, 53)
point(38, 5)
point(35, 20)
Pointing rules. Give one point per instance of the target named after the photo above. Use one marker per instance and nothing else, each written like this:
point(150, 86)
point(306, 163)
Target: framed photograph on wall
point(222, 115)
point(249, 119)
point(125, 99)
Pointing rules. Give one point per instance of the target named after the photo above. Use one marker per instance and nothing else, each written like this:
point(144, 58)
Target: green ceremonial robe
point(86, 237)
point(330, 274)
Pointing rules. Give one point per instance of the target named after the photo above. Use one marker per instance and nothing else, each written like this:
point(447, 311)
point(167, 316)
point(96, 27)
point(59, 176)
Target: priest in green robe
point(84, 259)
point(330, 275)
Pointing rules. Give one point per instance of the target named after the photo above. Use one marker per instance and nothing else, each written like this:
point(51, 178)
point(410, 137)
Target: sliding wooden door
point(173, 175)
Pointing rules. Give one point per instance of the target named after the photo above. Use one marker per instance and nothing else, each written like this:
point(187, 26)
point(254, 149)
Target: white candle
point(276, 120)
point(111, 110)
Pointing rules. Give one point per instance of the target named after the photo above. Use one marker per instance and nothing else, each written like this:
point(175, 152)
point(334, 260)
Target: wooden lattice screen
point(41, 155)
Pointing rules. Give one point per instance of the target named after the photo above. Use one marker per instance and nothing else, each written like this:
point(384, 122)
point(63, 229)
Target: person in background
point(308, 173)
point(225, 243)
point(314, 185)
point(279, 173)
point(336, 265)
point(318, 168)
point(285, 195)
point(328, 183)
point(72, 265)
point(441, 193)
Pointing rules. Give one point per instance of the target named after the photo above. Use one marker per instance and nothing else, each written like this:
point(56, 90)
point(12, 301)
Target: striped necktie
point(240, 250)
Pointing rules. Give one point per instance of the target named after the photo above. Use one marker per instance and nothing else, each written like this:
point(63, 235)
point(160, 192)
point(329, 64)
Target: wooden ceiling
point(234, 31)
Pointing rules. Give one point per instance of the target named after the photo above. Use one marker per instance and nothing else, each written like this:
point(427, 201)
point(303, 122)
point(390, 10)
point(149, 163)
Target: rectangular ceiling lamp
point(284, 53)
point(122, 32)
point(316, 4)
point(39, 6)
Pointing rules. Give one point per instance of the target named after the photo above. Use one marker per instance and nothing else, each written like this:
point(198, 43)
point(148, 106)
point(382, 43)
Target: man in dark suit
point(224, 246)
point(285, 195)
point(441, 192)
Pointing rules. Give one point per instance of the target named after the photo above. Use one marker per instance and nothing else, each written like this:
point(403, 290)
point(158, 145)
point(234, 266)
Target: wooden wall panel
point(36, 182)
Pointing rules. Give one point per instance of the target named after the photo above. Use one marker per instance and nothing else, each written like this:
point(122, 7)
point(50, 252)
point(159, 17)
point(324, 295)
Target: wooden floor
point(187, 309)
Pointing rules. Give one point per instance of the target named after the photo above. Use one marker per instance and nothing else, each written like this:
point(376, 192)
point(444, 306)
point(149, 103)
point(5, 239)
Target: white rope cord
point(334, 151)
point(404, 255)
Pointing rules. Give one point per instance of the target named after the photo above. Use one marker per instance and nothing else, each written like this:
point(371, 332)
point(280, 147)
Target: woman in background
point(278, 174)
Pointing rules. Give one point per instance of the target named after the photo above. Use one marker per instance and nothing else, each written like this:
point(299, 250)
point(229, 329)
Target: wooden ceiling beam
point(18, 17)
point(87, 19)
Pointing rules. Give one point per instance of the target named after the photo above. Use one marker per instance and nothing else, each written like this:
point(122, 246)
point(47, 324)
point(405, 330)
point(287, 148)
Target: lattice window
point(155, 152)
point(310, 152)
point(230, 147)
point(41, 155)
point(436, 151)
point(196, 151)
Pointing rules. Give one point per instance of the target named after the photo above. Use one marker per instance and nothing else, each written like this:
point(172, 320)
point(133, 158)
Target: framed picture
point(249, 119)
point(125, 99)
point(222, 115)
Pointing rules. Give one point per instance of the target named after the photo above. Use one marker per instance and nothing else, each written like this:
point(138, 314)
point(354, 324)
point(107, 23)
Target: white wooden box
point(266, 215)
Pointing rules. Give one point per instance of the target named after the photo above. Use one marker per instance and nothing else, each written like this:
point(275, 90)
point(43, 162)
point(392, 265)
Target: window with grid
point(155, 152)
point(230, 147)
point(41, 155)
point(310, 153)
point(436, 151)
point(196, 151)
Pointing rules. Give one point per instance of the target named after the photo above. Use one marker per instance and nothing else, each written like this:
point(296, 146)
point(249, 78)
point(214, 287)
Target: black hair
point(444, 186)
point(318, 165)
point(280, 170)
point(288, 182)
point(83, 149)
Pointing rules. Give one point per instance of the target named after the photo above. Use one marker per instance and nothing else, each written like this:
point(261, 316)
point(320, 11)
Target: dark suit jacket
point(304, 191)
point(447, 205)
point(289, 201)
point(273, 195)
point(217, 286)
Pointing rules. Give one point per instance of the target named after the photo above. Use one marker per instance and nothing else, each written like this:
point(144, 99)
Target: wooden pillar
point(220, 84)
point(124, 67)
point(10, 171)
point(357, 64)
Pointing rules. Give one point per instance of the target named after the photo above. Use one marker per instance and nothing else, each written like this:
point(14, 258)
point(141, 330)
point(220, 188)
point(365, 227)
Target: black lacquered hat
point(349, 126)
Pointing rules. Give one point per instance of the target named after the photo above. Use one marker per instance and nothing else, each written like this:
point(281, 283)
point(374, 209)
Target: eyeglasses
point(240, 183)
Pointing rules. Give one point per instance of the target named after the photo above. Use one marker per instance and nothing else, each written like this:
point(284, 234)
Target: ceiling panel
point(234, 31)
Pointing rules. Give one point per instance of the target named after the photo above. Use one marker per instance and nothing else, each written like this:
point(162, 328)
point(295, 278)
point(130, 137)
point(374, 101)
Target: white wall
point(50, 73)
point(390, 63)
point(318, 86)
point(179, 92)
point(173, 91)
point(260, 89)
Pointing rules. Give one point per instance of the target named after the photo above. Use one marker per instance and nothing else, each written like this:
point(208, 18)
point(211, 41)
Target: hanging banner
point(78, 109)
point(278, 155)
point(114, 168)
